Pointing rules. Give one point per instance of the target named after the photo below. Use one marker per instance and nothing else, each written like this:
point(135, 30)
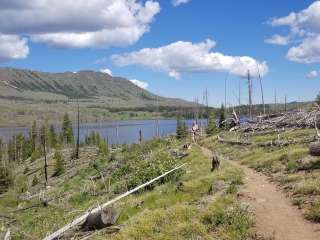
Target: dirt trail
point(274, 215)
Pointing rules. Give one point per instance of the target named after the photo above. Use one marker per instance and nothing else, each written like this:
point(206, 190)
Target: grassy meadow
point(180, 206)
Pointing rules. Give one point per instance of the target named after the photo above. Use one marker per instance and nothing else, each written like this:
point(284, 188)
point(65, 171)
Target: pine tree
point(179, 127)
point(184, 129)
point(59, 167)
point(33, 134)
point(212, 126)
point(11, 149)
point(318, 99)
point(1, 150)
point(52, 136)
point(44, 140)
point(222, 117)
point(19, 149)
point(103, 148)
point(35, 180)
point(67, 131)
point(6, 178)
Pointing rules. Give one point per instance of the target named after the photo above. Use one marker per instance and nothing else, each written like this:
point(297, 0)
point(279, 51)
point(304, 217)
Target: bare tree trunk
point(157, 120)
point(285, 103)
point(45, 156)
point(196, 100)
point(239, 93)
point(250, 94)
point(261, 88)
point(140, 136)
point(78, 132)
point(275, 101)
point(206, 93)
point(225, 94)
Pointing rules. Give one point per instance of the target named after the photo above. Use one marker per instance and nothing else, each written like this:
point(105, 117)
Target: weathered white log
point(82, 218)
point(8, 235)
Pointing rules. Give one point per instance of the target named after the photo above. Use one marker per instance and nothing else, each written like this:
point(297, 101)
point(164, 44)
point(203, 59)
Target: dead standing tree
point(285, 103)
point(275, 101)
point(239, 94)
point(250, 94)
point(225, 95)
point(78, 132)
point(262, 96)
point(196, 109)
point(206, 103)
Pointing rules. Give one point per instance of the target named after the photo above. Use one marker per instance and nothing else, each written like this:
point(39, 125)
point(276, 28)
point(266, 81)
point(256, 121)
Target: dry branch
point(232, 142)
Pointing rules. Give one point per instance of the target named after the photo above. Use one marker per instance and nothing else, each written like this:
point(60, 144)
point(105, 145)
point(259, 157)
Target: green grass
point(313, 214)
point(168, 213)
point(160, 212)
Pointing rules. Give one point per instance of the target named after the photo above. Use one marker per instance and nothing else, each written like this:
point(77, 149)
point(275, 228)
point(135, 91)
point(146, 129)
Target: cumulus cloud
point(107, 71)
point(140, 84)
point(304, 27)
point(278, 40)
point(307, 52)
point(80, 24)
point(307, 20)
point(181, 57)
point(179, 2)
point(313, 74)
point(13, 47)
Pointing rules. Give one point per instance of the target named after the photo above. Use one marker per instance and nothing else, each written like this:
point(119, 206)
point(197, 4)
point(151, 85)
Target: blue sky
point(236, 28)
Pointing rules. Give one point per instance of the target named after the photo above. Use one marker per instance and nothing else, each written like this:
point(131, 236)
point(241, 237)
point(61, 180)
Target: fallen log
point(8, 235)
point(314, 149)
point(102, 219)
point(57, 234)
point(232, 142)
point(274, 143)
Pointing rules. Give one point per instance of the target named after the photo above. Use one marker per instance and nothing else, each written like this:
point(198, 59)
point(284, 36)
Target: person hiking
point(194, 131)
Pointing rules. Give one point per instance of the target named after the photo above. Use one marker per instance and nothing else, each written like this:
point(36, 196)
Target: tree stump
point(215, 163)
point(102, 219)
point(314, 149)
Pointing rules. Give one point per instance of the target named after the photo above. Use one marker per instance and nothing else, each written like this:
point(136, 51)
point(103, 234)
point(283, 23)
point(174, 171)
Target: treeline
point(20, 147)
point(41, 140)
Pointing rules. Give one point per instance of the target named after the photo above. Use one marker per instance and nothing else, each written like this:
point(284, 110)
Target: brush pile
point(279, 121)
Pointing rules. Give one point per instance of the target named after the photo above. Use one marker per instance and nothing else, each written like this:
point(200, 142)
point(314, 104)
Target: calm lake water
point(117, 132)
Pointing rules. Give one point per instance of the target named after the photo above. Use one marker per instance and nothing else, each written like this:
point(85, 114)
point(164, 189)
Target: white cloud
point(313, 74)
point(140, 84)
point(181, 57)
point(307, 52)
point(278, 40)
point(13, 47)
point(107, 71)
point(304, 28)
point(307, 20)
point(96, 23)
point(179, 2)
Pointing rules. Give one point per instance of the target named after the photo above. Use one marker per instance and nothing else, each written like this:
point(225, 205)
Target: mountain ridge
point(85, 85)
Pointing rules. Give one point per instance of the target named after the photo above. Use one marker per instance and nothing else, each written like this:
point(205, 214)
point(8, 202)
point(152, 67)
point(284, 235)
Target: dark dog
point(215, 163)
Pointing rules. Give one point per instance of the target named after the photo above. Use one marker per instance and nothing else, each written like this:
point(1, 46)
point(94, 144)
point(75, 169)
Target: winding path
point(275, 217)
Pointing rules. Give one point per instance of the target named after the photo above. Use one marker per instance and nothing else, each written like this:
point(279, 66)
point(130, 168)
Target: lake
point(117, 132)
